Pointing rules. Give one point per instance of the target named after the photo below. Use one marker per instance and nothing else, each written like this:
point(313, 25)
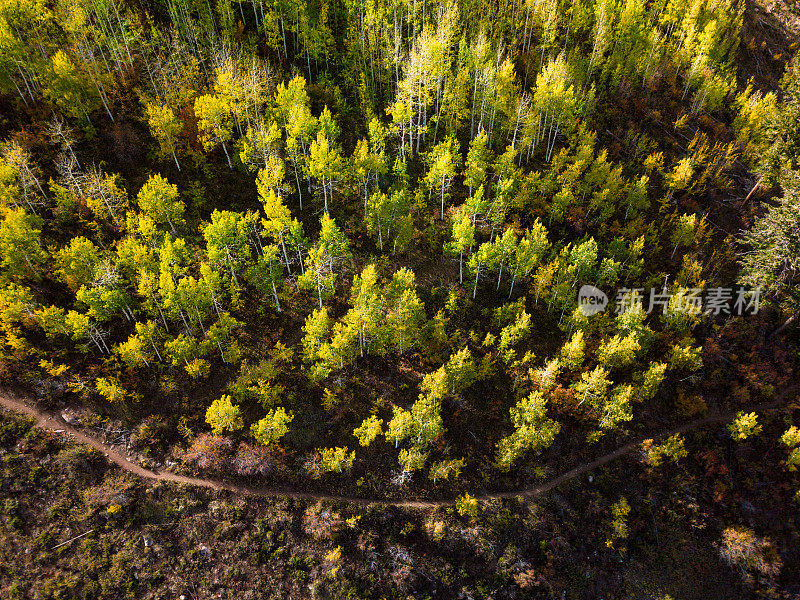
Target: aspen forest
point(394, 299)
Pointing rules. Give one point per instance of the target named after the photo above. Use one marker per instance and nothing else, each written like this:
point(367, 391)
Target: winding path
point(53, 422)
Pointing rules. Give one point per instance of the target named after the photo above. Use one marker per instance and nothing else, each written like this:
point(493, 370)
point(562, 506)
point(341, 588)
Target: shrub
point(78, 461)
point(336, 460)
point(467, 505)
point(744, 426)
point(258, 460)
point(224, 415)
point(210, 452)
point(320, 522)
point(670, 450)
point(151, 435)
point(743, 549)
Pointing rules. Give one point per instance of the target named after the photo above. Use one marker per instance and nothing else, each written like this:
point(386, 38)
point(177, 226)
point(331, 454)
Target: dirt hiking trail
point(54, 422)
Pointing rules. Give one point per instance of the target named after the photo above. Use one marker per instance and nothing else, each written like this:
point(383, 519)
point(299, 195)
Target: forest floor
point(770, 35)
point(54, 422)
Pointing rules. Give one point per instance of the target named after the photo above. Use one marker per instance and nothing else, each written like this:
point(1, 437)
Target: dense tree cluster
point(334, 191)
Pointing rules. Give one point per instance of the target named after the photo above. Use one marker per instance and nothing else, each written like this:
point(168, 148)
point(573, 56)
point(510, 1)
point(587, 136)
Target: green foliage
point(463, 237)
point(467, 505)
point(325, 164)
point(388, 216)
point(618, 407)
point(265, 274)
point(400, 426)
point(791, 439)
point(368, 165)
point(182, 349)
point(257, 382)
point(316, 327)
point(321, 263)
point(478, 159)
point(684, 356)
point(572, 352)
point(609, 406)
point(651, 380)
point(670, 450)
point(227, 241)
point(21, 254)
point(619, 521)
point(618, 352)
point(426, 421)
point(69, 87)
point(554, 104)
point(592, 150)
point(76, 264)
point(534, 431)
point(111, 390)
point(446, 469)
point(412, 459)
point(165, 128)
point(756, 114)
point(773, 245)
point(460, 373)
point(272, 427)
point(685, 233)
point(514, 332)
point(443, 161)
point(744, 425)
point(592, 386)
point(158, 199)
point(336, 460)
point(369, 429)
point(223, 415)
point(214, 122)
point(382, 319)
